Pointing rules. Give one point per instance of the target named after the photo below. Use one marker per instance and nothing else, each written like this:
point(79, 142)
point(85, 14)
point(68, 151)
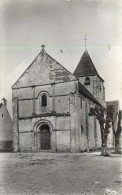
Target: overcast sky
point(27, 24)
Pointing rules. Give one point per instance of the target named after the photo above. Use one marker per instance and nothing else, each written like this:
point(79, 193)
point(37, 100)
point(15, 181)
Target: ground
point(59, 173)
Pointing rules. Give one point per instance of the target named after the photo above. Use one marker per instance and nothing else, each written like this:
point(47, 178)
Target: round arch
point(43, 99)
point(43, 93)
point(42, 122)
point(42, 135)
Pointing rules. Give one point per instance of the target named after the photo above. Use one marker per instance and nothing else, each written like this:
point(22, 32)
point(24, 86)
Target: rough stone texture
point(15, 126)
point(63, 137)
point(26, 142)
point(6, 128)
point(96, 87)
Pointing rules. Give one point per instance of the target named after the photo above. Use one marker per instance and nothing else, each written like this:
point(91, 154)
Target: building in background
point(6, 128)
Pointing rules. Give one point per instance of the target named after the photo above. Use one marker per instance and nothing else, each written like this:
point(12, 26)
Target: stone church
point(51, 106)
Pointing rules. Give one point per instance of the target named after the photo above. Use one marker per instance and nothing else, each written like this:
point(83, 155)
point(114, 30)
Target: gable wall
point(43, 70)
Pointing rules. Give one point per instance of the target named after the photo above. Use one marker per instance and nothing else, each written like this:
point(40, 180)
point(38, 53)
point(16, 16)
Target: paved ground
point(50, 173)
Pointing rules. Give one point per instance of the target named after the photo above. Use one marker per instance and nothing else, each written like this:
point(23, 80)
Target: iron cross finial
point(85, 39)
point(43, 46)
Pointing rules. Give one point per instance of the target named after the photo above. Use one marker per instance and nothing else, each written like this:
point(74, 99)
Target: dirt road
point(53, 173)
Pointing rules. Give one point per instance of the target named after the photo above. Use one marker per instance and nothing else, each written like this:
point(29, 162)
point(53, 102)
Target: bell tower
point(87, 74)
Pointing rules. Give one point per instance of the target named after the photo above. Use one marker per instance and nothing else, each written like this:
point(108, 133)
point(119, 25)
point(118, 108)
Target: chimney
point(4, 101)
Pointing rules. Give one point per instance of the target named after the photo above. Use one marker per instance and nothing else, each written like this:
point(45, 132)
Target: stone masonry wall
point(24, 120)
point(96, 87)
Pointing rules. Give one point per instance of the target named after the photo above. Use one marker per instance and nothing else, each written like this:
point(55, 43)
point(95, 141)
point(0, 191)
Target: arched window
point(87, 81)
point(44, 100)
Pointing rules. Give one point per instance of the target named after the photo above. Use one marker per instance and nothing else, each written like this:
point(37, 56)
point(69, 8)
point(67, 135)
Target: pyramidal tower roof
point(85, 66)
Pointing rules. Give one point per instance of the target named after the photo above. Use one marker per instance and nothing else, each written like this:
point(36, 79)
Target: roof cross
point(85, 39)
point(43, 46)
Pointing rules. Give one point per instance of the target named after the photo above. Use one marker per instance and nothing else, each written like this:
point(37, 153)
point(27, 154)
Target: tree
point(105, 124)
point(116, 130)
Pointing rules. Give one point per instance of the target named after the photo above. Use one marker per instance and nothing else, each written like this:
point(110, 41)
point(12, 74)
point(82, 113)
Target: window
point(44, 100)
point(80, 102)
point(87, 81)
point(81, 130)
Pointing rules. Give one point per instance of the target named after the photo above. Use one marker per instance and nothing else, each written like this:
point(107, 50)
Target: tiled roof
point(83, 90)
point(85, 66)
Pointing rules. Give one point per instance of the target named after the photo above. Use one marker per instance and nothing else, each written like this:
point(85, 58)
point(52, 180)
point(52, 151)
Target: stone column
point(87, 124)
point(33, 100)
point(72, 123)
point(53, 93)
point(95, 132)
point(16, 125)
point(103, 93)
point(54, 147)
point(77, 121)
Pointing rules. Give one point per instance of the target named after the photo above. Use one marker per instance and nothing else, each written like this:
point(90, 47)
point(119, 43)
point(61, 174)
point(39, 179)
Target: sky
point(61, 25)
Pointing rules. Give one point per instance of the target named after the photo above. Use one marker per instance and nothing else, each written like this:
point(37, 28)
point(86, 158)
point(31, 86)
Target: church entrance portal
point(44, 137)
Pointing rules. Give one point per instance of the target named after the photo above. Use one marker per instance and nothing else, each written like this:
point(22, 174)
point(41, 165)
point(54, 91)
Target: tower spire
point(85, 39)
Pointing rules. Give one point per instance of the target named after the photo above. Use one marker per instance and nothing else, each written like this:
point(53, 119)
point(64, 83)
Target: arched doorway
point(44, 137)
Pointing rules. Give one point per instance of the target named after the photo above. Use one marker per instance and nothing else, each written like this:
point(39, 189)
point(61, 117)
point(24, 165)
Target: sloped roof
point(85, 66)
point(83, 90)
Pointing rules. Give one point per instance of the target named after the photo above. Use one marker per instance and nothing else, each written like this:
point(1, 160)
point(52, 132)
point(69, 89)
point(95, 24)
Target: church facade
point(51, 106)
